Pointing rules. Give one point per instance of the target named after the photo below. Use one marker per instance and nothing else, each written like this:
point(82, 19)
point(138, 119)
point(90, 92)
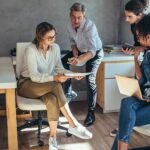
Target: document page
point(77, 74)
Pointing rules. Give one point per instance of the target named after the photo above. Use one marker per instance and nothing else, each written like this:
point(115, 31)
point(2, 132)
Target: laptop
point(129, 87)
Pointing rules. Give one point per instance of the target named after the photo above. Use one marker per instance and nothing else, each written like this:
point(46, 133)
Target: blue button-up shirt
point(86, 38)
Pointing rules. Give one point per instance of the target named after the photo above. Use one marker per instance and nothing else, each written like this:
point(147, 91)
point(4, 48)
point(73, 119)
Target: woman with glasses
point(41, 78)
point(133, 111)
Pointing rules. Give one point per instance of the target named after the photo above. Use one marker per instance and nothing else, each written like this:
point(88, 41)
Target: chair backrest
point(20, 49)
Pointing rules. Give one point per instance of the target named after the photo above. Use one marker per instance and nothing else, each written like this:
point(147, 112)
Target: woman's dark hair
point(77, 7)
point(136, 6)
point(143, 27)
point(41, 30)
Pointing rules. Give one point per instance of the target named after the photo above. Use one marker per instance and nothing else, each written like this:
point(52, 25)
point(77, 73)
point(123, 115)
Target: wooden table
point(7, 87)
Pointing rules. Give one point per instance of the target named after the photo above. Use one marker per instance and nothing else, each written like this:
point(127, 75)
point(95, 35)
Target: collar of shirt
point(82, 24)
point(40, 49)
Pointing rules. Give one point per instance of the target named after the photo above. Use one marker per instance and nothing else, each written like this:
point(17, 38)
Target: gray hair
point(77, 7)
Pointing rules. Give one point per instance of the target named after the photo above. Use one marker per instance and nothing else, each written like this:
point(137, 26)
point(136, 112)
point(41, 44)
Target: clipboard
point(129, 87)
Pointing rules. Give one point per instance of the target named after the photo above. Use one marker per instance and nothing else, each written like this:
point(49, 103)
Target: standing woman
point(41, 77)
point(134, 12)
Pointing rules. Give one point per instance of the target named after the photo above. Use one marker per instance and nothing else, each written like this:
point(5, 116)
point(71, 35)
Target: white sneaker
point(80, 132)
point(53, 143)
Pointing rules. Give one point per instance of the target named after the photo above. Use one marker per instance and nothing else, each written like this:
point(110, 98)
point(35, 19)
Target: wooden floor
point(100, 141)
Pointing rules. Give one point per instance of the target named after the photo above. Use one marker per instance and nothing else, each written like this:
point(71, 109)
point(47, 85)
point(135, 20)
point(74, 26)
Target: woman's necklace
point(44, 52)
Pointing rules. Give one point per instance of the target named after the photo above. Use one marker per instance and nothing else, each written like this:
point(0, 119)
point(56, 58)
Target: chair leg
point(28, 124)
point(35, 122)
point(62, 128)
point(59, 126)
point(40, 143)
point(45, 123)
point(39, 122)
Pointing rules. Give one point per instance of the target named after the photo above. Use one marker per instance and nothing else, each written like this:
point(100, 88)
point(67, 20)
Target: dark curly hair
point(41, 30)
point(143, 26)
point(136, 6)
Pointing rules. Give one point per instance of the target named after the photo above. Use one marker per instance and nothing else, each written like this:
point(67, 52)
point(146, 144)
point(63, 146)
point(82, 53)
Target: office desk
point(7, 87)
point(108, 95)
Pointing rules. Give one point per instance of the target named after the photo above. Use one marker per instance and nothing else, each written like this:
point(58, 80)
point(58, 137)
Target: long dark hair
point(41, 30)
point(136, 6)
point(143, 26)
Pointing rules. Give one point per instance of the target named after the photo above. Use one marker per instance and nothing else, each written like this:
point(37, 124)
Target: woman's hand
point(60, 78)
point(128, 51)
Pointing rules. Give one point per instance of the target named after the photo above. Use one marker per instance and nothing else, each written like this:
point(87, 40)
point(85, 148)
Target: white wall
point(19, 18)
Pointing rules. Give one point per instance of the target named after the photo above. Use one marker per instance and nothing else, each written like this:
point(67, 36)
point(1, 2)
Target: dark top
point(136, 43)
point(146, 58)
point(145, 68)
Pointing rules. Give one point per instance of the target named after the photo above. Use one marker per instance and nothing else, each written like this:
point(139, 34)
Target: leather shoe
point(90, 118)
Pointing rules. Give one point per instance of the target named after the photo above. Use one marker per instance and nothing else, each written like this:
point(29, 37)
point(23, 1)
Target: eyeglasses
point(50, 38)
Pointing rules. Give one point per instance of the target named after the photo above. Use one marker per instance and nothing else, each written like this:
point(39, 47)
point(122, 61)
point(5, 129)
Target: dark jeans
point(91, 66)
point(133, 112)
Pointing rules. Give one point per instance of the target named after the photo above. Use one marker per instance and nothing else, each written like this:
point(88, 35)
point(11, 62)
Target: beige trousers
point(51, 93)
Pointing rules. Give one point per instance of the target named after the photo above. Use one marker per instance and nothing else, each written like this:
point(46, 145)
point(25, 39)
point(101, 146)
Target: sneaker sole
point(112, 135)
point(82, 137)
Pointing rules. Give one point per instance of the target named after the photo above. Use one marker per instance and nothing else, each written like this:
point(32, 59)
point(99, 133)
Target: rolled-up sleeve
point(93, 41)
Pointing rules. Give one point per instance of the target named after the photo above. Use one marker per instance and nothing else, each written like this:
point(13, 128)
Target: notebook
point(129, 87)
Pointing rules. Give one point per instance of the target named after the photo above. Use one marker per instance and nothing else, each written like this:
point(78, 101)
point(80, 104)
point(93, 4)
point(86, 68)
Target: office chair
point(145, 129)
point(28, 104)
